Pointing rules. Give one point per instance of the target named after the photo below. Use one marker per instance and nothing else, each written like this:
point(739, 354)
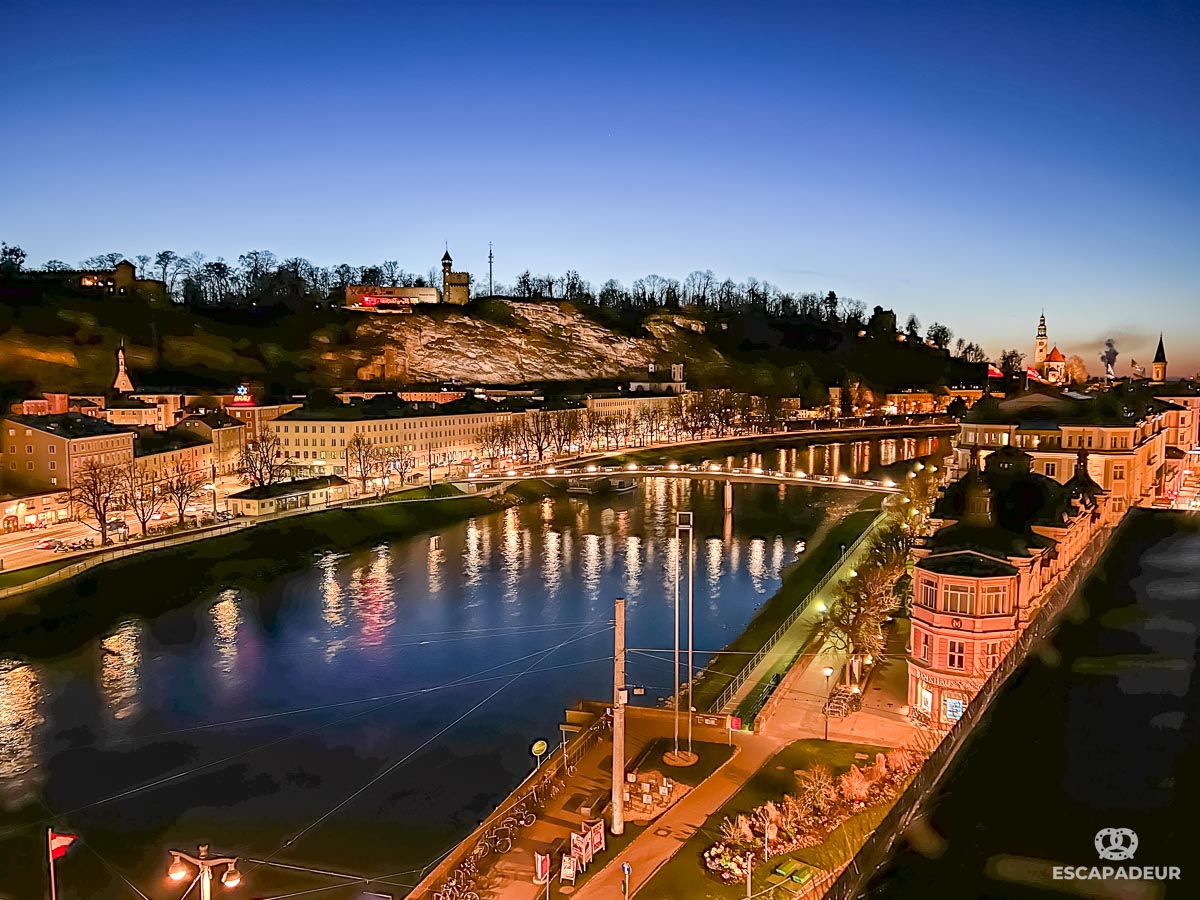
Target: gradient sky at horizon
point(970, 162)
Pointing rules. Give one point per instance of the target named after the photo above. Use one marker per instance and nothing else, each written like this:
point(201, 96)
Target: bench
point(595, 805)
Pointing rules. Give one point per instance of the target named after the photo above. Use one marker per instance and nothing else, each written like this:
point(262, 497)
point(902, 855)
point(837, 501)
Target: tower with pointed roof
point(456, 286)
point(122, 384)
point(1041, 344)
point(1159, 366)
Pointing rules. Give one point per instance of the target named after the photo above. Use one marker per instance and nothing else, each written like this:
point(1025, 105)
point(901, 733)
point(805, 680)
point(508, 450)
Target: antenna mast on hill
point(491, 290)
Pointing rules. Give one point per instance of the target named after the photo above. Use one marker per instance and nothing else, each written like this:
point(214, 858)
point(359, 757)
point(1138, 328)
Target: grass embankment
point(56, 619)
point(798, 581)
point(684, 875)
point(13, 577)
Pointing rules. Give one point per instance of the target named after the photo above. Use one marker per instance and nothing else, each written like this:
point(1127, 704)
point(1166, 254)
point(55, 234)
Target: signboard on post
point(626, 871)
point(596, 830)
point(581, 848)
point(567, 872)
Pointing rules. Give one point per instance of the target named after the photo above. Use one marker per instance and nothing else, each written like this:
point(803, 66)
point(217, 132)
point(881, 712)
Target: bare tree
point(142, 493)
point(181, 486)
point(396, 461)
point(538, 432)
point(493, 440)
point(363, 459)
point(98, 489)
point(260, 461)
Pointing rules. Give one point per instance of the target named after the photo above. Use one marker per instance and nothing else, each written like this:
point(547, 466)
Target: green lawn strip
point(712, 757)
point(31, 573)
point(798, 581)
point(685, 875)
point(58, 618)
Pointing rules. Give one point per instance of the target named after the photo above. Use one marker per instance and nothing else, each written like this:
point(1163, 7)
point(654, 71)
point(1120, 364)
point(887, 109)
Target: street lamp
point(178, 871)
point(828, 674)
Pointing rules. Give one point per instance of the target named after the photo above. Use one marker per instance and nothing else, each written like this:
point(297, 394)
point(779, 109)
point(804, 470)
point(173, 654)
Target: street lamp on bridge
point(178, 870)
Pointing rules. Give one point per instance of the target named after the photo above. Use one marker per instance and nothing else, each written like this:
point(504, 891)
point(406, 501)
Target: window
point(958, 598)
point(53, 465)
point(991, 655)
point(1089, 440)
point(1119, 472)
point(994, 600)
point(51, 448)
point(924, 646)
point(954, 708)
point(929, 594)
point(1051, 469)
point(956, 655)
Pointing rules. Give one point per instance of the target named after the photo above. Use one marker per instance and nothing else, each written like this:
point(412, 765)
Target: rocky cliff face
point(502, 344)
point(535, 342)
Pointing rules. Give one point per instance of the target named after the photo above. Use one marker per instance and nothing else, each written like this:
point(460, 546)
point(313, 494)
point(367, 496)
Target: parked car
point(46, 544)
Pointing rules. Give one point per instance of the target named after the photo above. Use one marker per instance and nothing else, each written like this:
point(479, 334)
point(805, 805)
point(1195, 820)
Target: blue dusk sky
point(970, 162)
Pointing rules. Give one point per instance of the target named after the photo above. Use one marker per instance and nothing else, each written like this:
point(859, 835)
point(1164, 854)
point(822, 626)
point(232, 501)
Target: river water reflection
point(247, 720)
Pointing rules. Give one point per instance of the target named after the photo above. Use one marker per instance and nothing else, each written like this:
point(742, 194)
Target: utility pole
point(618, 735)
point(491, 290)
point(691, 619)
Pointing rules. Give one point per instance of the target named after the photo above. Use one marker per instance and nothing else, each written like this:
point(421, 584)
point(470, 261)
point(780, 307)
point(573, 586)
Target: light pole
point(231, 877)
point(683, 522)
point(828, 674)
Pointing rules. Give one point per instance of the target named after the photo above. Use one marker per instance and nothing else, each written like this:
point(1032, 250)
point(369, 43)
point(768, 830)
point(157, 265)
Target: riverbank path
point(793, 641)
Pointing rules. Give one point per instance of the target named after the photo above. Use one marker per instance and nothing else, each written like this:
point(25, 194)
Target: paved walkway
point(796, 715)
point(794, 639)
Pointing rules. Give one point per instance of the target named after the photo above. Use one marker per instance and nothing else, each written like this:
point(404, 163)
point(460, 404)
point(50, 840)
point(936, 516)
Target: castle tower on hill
point(1041, 345)
point(456, 286)
point(1158, 368)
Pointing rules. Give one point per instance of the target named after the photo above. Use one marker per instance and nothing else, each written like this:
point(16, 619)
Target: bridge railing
point(743, 676)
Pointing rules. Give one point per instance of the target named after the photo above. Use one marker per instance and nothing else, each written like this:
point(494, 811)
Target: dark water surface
point(1101, 732)
point(246, 720)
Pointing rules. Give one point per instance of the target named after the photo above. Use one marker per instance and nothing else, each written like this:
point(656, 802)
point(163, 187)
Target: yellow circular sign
point(538, 748)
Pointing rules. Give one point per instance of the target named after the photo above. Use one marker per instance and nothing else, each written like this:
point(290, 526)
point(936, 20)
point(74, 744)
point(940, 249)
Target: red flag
point(1031, 372)
point(993, 372)
point(541, 866)
point(59, 844)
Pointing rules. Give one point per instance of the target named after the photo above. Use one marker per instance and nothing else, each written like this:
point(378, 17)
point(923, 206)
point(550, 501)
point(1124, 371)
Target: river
point(430, 663)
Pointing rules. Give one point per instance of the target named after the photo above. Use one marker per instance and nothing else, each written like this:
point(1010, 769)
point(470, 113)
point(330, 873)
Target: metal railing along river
point(743, 676)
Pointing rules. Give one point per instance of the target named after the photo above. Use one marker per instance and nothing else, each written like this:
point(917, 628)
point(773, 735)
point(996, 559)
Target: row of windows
point(960, 599)
point(991, 652)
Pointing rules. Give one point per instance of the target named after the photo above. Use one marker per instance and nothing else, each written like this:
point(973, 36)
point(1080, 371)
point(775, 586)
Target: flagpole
point(50, 862)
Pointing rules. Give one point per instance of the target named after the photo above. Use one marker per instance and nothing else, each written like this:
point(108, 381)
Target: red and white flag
point(1031, 372)
point(993, 372)
point(59, 844)
point(541, 867)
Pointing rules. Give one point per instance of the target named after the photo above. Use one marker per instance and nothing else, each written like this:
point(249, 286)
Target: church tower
point(1159, 366)
point(122, 384)
point(1041, 345)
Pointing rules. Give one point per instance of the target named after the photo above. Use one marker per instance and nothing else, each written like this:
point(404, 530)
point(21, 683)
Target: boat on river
point(600, 485)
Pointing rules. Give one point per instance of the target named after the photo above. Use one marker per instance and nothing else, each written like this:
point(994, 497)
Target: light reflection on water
point(120, 669)
point(20, 716)
point(410, 614)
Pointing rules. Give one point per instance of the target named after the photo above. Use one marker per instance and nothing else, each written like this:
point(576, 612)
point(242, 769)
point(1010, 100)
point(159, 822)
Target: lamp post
point(178, 871)
point(828, 674)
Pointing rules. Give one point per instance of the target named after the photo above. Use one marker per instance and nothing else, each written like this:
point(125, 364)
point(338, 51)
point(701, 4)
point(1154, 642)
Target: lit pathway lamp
point(828, 674)
point(179, 870)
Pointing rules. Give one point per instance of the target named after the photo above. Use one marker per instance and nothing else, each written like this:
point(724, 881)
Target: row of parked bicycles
point(467, 879)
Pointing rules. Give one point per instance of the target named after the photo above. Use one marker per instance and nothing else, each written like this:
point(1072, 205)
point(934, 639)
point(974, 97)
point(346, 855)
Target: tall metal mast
point(491, 290)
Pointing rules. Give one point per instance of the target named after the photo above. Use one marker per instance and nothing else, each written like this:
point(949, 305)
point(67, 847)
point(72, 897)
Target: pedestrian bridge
point(699, 471)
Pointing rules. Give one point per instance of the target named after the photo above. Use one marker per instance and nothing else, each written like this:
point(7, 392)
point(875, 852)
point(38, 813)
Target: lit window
point(994, 600)
point(956, 654)
point(958, 598)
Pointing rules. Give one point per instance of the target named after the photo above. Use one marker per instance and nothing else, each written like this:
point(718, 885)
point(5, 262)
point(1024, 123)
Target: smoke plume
point(1109, 356)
